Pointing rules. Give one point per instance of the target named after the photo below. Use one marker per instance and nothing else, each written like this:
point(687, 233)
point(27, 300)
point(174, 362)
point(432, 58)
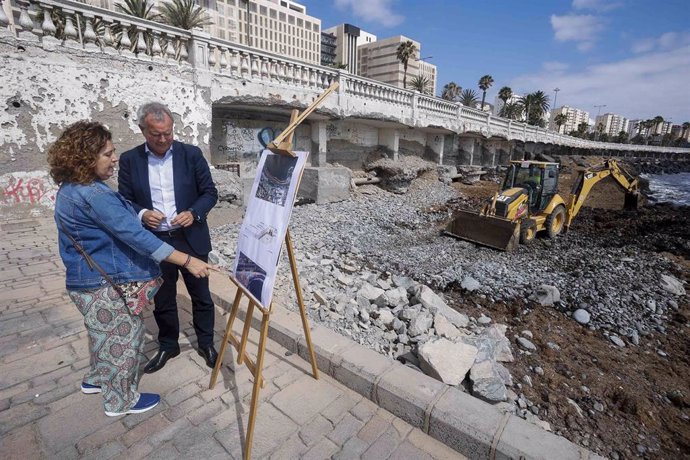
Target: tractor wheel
point(528, 230)
point(555, 221)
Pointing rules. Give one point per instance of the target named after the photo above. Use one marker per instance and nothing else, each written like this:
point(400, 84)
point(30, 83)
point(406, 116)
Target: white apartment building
point(348, 38)
point(379, 61)
point(276, 26)
point(574, 118)
point(612, 124)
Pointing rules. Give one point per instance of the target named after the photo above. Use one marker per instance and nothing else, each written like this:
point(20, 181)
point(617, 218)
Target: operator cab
point(539, 179)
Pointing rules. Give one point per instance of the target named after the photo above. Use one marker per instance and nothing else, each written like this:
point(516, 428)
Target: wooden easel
point(281, 145)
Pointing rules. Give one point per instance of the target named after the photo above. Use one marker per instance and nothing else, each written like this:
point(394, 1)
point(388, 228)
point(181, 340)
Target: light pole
point(596, 123)
point(555, 96)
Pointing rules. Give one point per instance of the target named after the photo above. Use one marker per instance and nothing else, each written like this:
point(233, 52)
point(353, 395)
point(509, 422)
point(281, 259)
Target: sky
point(631, 56)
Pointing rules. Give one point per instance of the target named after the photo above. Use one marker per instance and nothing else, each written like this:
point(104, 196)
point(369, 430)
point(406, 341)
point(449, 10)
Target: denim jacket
point(106, 226)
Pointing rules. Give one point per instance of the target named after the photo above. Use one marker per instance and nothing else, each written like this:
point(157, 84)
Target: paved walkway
point(43, 355)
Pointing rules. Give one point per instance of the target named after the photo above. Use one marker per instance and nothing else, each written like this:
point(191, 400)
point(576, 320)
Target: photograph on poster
point(250, 275)
point(274, 181)
point(266, 221)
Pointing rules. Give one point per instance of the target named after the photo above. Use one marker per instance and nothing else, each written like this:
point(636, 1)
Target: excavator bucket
point(493, 232)
point(632, 201)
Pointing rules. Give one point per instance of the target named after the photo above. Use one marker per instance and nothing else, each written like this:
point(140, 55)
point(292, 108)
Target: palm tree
point(504, 94)
point(469, 98)
point(421, 83)
point(451, 91)
point(648, 125)
point(582, 128)
point(338, 65)
point(560, 120)
point(139, 9)
point(535, 104)
point(185, 14)
point(658, 120)
point(485, 83)
point(405, 51)
point(512, 110)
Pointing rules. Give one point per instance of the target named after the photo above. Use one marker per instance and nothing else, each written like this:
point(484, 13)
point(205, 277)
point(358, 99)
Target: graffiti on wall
point(35, 188)
point(244, 142)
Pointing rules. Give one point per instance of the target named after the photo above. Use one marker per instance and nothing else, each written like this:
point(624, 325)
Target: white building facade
point(574, 118)
point(348, 39)
point(379, 61)
point(611, 124)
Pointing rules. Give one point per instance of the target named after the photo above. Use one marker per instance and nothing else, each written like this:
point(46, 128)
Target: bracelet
point(189, 259)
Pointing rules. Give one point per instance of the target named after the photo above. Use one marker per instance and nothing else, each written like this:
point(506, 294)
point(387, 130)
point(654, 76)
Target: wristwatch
point(196, 216)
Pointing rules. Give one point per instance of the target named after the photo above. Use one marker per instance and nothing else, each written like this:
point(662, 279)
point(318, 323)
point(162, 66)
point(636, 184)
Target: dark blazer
point(194, 188)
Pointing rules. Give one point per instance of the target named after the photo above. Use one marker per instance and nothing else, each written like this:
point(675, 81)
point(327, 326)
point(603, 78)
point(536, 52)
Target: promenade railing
point(71, 24)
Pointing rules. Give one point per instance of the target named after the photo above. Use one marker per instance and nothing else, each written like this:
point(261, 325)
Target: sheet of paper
point(266, 221)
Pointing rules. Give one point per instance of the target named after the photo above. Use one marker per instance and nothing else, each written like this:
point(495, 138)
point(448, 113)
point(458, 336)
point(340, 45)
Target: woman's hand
point(199, 268)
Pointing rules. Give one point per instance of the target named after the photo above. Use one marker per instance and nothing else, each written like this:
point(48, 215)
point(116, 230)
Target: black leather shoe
point(209, 354)
point(159, 361)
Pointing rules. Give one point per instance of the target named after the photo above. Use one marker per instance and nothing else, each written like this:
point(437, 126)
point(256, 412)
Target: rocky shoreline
point(376, 268)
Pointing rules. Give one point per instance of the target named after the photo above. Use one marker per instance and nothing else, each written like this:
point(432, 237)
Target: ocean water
point(669, 188)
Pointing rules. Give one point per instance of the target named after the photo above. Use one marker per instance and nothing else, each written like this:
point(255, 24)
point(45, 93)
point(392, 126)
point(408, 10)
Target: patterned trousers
point(116, 346)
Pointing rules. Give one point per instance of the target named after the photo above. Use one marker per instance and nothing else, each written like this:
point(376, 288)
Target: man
point(170, 186)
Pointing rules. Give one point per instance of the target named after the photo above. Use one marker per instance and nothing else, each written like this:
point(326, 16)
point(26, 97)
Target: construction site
point(583, 334)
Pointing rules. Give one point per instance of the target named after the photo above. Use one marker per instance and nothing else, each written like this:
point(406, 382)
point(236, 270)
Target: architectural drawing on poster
point(266, 221)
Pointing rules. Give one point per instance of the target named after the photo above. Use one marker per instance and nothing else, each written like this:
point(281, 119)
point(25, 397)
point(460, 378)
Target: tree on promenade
point(560, 120)
point(535, 105)
point(421, 83)
point(622, 137)
point(451, 91)
point(185, 14)
point(504, 94)
point(469, 98)
point(485, 83)
point(405, 51)
point(512, 111)
point(139, 9)
point(582, 128)
point(658, 121)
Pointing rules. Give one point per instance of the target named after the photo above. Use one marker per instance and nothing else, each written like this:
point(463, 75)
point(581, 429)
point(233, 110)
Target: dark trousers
point(165, 312)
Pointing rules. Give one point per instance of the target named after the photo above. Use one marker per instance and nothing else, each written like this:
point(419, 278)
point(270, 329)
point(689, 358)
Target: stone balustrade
point(71, 24)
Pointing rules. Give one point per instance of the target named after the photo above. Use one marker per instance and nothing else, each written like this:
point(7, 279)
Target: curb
point(468, 425)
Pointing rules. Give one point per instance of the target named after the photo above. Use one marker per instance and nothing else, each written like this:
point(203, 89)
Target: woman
point(111, 261)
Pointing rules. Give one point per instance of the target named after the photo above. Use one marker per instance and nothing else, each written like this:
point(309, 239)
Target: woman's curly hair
point(72, 158)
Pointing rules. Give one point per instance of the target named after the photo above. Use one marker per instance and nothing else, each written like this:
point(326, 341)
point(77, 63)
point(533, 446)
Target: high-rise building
point(280, 27)
point(611, 124)
point(348, 38)
point(573, 118)
point(379, 61)
point(276, 26)
point(328, 47)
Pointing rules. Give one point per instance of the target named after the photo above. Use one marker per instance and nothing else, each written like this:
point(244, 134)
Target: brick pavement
point(43, 354)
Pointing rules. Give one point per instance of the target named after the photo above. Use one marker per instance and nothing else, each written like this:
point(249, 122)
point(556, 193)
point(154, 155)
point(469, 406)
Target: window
point(263, 10)
point(281, 16)
point(272, 13)
point(291, 19)
point(300, 23)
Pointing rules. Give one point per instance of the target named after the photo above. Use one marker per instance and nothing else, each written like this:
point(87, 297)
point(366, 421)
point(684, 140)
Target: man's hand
point(152, 219)
point(184, 219)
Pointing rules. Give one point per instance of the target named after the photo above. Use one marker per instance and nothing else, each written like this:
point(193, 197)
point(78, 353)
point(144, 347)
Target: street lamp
point(599, 107)
point(555, 96)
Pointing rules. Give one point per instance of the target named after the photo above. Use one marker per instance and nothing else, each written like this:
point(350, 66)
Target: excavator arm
point(588, 178)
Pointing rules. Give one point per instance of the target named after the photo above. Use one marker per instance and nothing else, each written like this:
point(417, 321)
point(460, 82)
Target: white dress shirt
point(162, 187)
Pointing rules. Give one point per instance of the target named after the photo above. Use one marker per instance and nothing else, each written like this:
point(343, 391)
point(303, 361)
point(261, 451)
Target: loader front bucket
point(493, 232)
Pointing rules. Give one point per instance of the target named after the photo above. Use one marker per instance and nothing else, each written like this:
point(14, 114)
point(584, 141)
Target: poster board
point(266, 222)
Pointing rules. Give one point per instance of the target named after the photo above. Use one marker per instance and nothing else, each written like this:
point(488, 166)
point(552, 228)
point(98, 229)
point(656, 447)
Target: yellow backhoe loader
point(529, 203)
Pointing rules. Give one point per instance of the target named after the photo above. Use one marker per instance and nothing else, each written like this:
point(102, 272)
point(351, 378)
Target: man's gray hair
point(156, 109)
